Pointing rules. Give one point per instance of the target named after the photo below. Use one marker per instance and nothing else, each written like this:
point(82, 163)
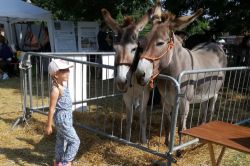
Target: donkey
point(164, 54)
point(127, 47)
point(206, 36)
point(245, 51)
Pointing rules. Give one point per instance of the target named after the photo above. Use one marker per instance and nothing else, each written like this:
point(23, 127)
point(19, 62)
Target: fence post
point(173, 122)
point(29, 68)
point(25, 68)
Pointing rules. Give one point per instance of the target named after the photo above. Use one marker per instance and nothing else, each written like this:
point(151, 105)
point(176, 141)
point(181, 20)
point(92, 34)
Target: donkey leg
point(129, 110)
point(167, 100)
point(183, 114)
point(129, 124)
point(167, 125)
point(204, 111)
point(208, 109)
point(167, 121)
point(143, 116)
point(211, 107)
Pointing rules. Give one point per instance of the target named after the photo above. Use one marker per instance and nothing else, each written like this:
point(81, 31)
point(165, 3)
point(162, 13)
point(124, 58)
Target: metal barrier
point(99, 106)
point(232, 104)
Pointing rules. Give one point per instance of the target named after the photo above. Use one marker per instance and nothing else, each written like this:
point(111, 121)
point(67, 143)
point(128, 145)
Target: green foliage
point(197, 27)
point(76, 10)
point(224, 15)
point(119, 17)
point(84, 10)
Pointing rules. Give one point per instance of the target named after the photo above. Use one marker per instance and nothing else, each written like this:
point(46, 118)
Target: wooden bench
point(224, 134)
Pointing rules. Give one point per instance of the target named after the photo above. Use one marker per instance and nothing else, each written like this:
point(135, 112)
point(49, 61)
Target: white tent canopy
point(13, 11)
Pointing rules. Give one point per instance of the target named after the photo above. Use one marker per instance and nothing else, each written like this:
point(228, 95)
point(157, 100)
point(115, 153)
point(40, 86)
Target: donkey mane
point(167, 16)
point(127, 21)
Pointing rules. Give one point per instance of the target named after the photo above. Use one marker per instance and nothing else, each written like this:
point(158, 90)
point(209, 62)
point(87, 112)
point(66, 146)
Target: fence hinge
point(170, 157)
point(181, 95)
point(25, 63)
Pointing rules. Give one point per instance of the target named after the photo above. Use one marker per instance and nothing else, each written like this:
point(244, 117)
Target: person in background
point(6, 56)
point(105, 44)
point(245, 51)
point(45, 45)
point(104, 39)
point(60, 109)
point(31, 43)
point(221, 43)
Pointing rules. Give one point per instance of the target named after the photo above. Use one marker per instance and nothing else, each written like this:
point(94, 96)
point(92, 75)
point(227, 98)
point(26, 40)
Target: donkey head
point(125, 45)
point(159, 43)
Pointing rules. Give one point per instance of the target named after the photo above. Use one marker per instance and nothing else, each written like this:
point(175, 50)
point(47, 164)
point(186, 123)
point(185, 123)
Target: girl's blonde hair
point(55, 83)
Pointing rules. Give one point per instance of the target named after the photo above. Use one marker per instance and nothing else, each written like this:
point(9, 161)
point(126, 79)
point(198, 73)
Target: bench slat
point(225, 134)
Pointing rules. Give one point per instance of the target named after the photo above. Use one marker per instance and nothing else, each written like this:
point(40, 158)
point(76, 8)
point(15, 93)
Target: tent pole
point(11, 41)
point(50, 25)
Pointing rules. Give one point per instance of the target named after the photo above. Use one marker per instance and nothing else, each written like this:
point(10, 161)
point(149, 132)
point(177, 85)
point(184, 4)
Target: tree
point(198, 27)
point(224, 15)
point(84, 10)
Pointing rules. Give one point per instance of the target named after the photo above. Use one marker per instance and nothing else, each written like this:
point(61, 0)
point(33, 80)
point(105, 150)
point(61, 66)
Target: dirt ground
point(26, 144)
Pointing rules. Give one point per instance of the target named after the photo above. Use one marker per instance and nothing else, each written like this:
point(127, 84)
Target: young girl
point(60, 109)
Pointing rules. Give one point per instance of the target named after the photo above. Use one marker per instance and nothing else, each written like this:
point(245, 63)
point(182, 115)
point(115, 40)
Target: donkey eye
point(134, 37)
point(159, 43)
point(134, 49)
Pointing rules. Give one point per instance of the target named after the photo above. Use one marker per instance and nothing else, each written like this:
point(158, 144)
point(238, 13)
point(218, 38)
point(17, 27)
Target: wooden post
point(221, 155)
point(211, 152)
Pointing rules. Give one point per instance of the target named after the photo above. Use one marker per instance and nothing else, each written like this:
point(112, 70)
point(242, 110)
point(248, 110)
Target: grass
point(26, 145)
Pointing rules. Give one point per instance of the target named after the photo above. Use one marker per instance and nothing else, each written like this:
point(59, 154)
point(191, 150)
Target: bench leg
point(211, 152)
point(221, 155)
point(212, 155)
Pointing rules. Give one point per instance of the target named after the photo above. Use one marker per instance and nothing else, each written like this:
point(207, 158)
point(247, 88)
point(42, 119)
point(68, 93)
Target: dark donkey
point(127, 46)
point(164, 54)
point(195, 39)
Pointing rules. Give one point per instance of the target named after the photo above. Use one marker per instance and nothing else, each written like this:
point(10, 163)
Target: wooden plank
point(225, 134)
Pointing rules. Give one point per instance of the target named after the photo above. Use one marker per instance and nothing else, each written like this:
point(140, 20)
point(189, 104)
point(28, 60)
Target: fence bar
point(196, 140)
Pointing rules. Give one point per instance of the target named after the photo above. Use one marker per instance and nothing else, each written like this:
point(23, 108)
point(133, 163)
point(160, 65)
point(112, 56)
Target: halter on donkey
point(164, 54)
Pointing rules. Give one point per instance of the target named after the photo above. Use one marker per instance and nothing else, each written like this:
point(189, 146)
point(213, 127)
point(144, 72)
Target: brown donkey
point(126, 46)
point(164, 54)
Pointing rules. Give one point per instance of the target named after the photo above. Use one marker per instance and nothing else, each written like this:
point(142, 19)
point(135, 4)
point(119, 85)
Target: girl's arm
point(53, 99)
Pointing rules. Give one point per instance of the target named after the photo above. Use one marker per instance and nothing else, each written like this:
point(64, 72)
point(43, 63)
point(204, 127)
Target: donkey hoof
point(159, 163)
point(166, 142)
point(179, 153)
point(143, 142)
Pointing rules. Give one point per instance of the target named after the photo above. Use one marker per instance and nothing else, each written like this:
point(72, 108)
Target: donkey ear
point(144, 20)
point(157, 12)
point(110, 21)
point(127, 21)
point(183, 21)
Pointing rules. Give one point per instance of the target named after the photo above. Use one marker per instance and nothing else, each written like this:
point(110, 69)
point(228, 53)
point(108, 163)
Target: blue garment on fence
point(5, 52)
point(67, 141)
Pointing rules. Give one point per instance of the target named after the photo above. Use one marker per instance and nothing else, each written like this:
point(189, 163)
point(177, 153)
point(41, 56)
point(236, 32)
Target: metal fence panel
point(100, 107)
point(232, 103)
